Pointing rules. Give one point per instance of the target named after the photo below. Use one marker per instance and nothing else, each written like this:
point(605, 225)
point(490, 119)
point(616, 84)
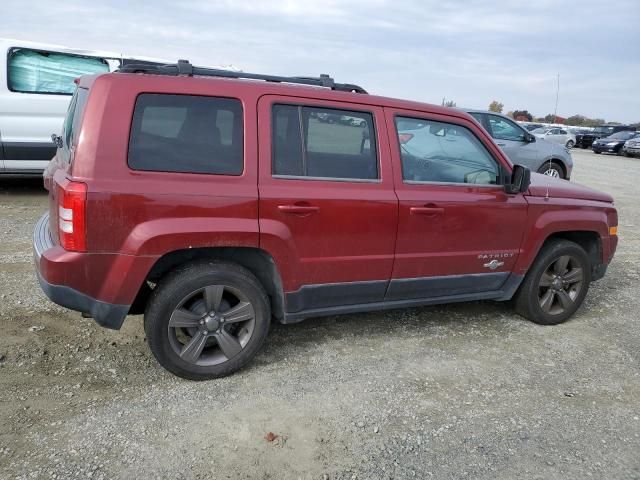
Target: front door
point(511, 138)
point(328, 210)
point(459, 233)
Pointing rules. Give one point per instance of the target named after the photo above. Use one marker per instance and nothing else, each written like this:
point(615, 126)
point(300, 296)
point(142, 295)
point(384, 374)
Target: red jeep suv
point(215, 201)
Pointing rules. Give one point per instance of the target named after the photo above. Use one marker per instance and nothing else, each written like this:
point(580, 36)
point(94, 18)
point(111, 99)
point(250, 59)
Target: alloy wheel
point(552, 172)
point(211, 325)
point(560, 285)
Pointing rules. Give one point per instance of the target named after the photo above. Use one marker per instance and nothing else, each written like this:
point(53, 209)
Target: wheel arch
point(256, 260)
point(557, 161)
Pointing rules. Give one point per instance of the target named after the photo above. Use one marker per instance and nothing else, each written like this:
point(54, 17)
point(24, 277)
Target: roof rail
point(183, 67)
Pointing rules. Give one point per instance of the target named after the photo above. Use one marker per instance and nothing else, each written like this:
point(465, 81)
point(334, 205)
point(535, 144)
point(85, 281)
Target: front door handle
point(298, 209)
point(426, 211)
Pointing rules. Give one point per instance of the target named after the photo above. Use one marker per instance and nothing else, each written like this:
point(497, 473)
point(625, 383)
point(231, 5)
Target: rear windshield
point(73, 120)
point(187, 133)
point(34, 71)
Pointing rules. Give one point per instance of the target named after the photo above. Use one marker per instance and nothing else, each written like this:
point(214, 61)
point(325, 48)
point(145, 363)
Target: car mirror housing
point(520, 180)
point(529, 138)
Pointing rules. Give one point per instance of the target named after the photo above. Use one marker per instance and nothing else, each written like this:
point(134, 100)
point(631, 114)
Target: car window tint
point(503, 129)
point(443, 152)
point(187, 133)
point(31, 71)
point(323, 143)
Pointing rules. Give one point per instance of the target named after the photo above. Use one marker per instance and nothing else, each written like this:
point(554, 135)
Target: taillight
point(71, 216)
point(405, 137)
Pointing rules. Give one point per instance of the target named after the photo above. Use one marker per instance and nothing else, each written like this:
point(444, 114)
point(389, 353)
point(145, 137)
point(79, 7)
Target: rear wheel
point(207, 320)
point(556, 284)
point(570, 144)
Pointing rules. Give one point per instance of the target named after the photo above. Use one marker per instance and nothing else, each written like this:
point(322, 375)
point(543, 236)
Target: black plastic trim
point(107, 315)
point(333, 299)
point(28, 150)
point(332, 294)
point(410, 288)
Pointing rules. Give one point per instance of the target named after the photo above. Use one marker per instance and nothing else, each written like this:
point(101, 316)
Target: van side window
point(33, 71)
point(443, 153)
point(187, 133)
point(323, 143)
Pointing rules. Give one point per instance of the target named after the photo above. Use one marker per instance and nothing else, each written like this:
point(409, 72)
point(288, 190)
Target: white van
point(36, 84)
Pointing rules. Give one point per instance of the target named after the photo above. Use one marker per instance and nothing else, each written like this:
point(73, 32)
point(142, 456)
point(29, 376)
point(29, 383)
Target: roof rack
point(183, 67)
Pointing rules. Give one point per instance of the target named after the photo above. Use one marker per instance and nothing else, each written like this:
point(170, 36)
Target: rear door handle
point(298, 209)
point(501, 144)
point(427, 211)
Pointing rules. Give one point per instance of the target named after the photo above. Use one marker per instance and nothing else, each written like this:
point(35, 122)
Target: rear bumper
point(101, 285)
point(105, 314)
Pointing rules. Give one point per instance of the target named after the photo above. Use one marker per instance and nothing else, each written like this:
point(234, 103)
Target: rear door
point(328, 210)
point(459, 233)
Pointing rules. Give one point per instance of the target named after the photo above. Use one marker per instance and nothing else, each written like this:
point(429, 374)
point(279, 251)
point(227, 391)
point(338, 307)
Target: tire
point(597, 153)
point(184, 335)
point(551, 169)
point(621, 152)
point(570, 144)
point(532, 299)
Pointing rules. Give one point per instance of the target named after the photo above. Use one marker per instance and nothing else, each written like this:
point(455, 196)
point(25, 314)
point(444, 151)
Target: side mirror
point(520, 180)
point(529, 138)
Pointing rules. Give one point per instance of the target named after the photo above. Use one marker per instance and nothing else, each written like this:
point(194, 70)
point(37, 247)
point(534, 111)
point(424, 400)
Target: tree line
point(574, 120)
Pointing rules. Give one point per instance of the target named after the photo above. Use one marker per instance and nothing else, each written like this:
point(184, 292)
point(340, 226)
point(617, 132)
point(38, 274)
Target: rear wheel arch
point(259, 262)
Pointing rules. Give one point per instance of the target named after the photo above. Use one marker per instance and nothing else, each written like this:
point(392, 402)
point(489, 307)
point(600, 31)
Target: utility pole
point(555, 112)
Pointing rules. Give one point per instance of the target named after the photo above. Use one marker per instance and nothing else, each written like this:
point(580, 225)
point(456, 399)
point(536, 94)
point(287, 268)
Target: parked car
point(585, 140)
point(631, 147)
point(612, 143)
point(213, 205)
point(36, 84)
point(531, 126)
point(557, 135)
point(523, 148)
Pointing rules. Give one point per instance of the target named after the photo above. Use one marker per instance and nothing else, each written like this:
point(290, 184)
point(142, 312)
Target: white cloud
point(471, 52)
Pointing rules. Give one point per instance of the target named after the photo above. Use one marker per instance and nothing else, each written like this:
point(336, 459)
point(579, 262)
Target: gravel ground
point(460, 391)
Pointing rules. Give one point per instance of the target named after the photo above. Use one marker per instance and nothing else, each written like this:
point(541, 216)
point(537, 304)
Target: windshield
point(605, 130)
point(623, 135)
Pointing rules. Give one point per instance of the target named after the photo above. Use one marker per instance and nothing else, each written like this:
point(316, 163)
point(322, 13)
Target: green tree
point(550, 118)
point(448, 103)
point(496, 106)
point(522, 115)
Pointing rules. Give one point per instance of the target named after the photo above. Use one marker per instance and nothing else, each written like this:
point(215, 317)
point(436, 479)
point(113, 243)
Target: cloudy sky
point(471, 51)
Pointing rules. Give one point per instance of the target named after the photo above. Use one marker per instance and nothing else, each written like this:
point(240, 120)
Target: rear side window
point(32, 71)
point(187, 133)
point(323, 143)
point(73, 120)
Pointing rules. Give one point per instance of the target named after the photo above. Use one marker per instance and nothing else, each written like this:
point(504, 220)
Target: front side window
point(323, 143)
point(187, 133)
point(32, 71)
point(503, 129)
point(444, 153)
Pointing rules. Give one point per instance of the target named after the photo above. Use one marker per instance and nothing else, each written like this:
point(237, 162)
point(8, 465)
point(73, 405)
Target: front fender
point(560, 215)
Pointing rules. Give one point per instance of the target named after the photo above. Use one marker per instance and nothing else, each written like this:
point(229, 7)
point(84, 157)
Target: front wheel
point(552, 169)
point(207, 319)
point(556, 284)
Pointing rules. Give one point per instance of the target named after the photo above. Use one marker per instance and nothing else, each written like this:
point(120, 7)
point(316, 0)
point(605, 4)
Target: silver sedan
point(556, 135)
